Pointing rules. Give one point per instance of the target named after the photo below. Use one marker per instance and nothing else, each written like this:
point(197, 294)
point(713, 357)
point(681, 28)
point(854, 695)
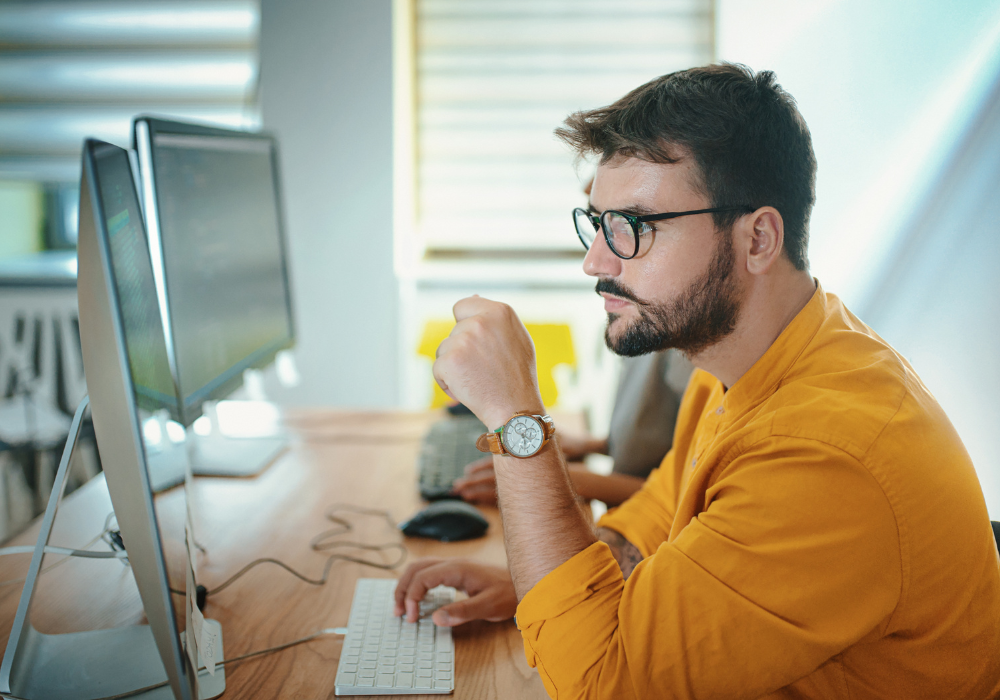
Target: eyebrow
point(633, 209)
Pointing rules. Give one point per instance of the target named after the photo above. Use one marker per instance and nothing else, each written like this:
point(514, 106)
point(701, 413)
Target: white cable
point(30, 548)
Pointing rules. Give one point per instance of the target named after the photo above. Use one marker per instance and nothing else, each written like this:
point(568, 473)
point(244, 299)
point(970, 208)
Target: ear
point(765, 232)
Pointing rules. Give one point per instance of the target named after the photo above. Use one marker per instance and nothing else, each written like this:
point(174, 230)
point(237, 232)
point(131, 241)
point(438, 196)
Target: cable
point(90, 554)
point(243, 657)
point(321, 543)
point(326, 567)
point(318, 542)
point(85, 547)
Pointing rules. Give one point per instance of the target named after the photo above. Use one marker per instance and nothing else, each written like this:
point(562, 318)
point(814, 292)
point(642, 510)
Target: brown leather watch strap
point(490, 442)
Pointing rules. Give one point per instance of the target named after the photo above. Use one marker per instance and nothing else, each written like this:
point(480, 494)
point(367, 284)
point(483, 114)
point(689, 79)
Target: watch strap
point(490, 442)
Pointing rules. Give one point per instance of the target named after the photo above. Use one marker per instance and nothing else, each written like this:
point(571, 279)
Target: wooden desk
point(364, 459)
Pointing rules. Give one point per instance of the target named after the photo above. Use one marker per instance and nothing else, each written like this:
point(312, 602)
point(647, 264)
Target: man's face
point(681, 290)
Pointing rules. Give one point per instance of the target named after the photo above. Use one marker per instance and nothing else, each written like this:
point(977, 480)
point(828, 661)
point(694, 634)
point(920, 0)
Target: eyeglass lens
point(586, 229)
point(621, 235)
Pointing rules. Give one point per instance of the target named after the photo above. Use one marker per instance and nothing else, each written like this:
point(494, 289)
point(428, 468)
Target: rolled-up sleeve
point(795, 559)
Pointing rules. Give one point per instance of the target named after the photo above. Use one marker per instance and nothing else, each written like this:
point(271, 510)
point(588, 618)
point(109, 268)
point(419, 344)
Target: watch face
point(522, 436)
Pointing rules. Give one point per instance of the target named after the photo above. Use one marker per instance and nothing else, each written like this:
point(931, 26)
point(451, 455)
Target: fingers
point(435, 370)
point(479, 483)
point(495, 602)
point(404, 581)
point(480, 465)
point(471, 306)
point(437, 574)
point(484, 493)
point(476, 608)
point(477, 489)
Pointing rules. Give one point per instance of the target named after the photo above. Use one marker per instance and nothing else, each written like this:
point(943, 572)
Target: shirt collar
point(763, 378)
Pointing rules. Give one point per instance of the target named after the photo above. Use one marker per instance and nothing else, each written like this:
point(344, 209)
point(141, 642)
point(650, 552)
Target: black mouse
point(448, 521)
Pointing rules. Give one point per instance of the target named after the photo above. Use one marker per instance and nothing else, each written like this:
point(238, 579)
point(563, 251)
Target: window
point(490, 82)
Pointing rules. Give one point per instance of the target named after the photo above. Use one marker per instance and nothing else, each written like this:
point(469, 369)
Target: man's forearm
point(626, 553)
point(542, 522)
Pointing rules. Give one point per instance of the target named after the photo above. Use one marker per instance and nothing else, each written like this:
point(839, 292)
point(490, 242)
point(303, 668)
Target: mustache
point(610, 286)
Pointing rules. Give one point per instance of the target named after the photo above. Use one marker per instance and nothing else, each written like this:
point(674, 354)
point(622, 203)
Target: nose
point(600, 261)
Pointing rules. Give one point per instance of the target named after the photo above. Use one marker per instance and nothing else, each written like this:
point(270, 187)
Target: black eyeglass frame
point(634, 221)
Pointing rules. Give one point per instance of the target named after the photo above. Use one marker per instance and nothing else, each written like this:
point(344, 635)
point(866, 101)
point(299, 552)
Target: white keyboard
point(384, 655)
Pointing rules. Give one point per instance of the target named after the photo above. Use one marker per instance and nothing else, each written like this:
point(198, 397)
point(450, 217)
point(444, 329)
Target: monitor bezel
point(116, 424)
point(145, 129)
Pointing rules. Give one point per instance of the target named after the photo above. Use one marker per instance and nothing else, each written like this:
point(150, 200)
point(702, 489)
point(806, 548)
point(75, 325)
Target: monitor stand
point(252, 444)
point(84, 665)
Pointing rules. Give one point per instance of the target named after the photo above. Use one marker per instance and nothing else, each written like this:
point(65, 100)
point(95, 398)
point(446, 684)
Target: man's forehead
point(641, 184)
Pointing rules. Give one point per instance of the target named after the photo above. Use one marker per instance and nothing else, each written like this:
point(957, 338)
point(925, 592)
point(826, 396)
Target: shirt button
point(719, 411)
point(694, 461)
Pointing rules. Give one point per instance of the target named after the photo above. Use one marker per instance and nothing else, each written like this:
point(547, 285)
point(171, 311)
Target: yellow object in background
point(553, 346)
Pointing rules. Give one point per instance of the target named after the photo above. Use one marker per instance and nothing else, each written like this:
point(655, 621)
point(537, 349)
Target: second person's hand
point(479, 485)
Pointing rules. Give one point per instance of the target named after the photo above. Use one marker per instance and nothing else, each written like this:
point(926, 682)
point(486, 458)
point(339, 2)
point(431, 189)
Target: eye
point(646, 228)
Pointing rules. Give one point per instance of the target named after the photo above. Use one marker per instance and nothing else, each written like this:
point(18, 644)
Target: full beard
point(702, 316)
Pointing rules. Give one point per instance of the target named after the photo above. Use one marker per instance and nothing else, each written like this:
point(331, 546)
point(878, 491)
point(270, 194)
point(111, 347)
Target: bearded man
point(817, 530)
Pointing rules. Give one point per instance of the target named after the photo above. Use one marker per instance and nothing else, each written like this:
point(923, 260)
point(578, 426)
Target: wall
point(326, 91)
point(887, 89)
point(896, 94)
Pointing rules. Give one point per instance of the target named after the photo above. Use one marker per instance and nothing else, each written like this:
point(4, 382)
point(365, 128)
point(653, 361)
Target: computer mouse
point(449, 521)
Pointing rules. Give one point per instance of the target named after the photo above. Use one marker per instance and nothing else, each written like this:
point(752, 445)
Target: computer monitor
point(213, 211)
point(125, 361)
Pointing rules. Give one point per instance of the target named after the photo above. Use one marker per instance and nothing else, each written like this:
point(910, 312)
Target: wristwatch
point(524, 435)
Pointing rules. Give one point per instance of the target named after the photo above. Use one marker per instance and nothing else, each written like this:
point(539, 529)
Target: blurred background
point(419, 167)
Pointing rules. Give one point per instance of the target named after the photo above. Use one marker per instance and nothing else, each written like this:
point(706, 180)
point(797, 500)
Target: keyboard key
point(384, 680)
point(365, 682)
point(423, 683)
point(442, 685)
point(345, 678)
point(404, 680)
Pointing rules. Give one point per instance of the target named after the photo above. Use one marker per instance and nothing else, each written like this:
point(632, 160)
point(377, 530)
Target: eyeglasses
point(622, 231)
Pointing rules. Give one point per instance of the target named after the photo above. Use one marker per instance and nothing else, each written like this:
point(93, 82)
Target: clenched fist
point(488, 362)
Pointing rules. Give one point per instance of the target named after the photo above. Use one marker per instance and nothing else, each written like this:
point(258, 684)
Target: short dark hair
point(748, 140)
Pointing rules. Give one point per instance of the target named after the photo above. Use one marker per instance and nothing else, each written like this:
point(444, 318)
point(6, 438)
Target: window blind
point(493, 79)
point(86, 67)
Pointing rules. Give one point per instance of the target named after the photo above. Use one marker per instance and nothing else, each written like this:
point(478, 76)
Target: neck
point(768, 307)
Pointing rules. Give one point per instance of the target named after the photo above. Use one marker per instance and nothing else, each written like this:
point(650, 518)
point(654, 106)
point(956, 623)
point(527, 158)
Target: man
point(817, 529)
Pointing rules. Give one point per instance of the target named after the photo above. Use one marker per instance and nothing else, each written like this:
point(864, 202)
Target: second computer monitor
point(213, 210)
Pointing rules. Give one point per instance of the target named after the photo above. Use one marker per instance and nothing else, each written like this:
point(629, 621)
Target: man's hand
point(479, 485)
point(490, 590)
point(488, 362)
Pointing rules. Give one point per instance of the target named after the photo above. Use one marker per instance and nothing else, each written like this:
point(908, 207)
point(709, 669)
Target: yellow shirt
point(818, 531)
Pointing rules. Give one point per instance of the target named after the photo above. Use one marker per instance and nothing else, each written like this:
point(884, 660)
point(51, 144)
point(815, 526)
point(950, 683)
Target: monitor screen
point(213, 207)
point(126, 363)
point(147, 351)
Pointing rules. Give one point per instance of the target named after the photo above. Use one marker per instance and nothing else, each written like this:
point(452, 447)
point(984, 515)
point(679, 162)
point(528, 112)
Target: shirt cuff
point(569, 584)
point(581, 592)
